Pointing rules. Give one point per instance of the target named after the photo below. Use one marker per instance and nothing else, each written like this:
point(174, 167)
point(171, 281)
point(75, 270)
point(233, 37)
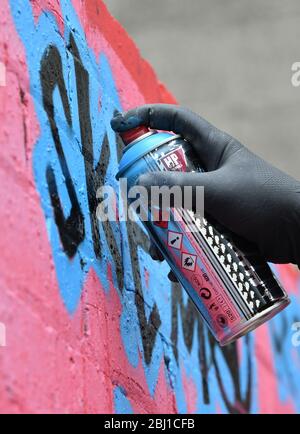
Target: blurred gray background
point(228, 60)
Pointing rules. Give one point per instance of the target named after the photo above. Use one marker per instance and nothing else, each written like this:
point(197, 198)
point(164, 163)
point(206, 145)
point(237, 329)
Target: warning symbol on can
point(174, 239)
point(188, 261)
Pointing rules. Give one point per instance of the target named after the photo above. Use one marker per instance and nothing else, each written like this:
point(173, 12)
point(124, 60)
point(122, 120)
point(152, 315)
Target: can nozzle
point(133, 134)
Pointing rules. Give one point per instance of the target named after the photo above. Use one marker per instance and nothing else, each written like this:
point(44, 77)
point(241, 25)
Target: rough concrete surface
point(230, 61)
point(89, 323)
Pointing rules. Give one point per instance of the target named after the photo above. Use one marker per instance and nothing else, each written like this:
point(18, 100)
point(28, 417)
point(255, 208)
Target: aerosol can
point(232, 287)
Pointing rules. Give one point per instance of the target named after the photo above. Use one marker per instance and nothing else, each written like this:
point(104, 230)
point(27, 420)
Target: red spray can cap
point(133, 134)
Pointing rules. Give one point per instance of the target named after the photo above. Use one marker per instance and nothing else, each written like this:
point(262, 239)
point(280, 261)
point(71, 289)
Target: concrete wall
point(230, 61)
point(89, 322)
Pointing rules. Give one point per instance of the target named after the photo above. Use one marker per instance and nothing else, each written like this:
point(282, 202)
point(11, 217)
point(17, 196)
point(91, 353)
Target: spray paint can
point(232, 287)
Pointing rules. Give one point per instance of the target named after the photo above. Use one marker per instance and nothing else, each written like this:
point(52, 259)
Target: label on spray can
point(233, 294)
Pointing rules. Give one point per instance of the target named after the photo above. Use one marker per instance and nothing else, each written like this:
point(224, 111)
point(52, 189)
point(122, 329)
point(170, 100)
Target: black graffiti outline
point(95, 177)
point(72, 231)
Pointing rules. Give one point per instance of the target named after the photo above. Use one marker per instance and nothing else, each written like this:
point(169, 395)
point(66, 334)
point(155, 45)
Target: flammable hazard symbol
point(188, 261)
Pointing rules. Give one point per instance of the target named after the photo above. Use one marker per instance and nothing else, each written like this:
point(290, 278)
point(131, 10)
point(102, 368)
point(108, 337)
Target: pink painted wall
point(90, 324)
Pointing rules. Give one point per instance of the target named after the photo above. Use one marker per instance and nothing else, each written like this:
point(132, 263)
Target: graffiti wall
point(89, 323)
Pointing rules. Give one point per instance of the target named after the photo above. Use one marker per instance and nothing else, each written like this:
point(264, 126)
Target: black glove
point(242, 191)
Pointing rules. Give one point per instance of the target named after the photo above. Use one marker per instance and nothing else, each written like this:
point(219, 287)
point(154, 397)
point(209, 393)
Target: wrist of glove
point(244, 193)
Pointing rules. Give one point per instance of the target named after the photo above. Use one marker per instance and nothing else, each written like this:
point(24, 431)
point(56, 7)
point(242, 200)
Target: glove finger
point(155, 253)
point(172, 277)
point(208, 141)
point(211, 184)
point(157, 256)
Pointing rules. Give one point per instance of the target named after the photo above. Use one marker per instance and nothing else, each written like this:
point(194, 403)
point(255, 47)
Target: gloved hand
point(243, 192)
